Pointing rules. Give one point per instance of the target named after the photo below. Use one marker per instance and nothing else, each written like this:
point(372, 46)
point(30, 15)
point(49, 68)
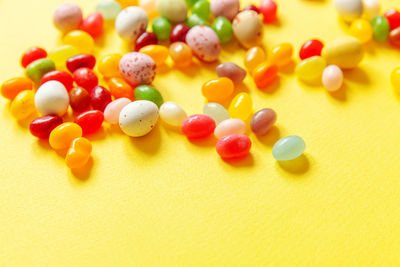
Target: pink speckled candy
point(137, 68)
point(67, 17)
point(204, 42)
point(225, 8)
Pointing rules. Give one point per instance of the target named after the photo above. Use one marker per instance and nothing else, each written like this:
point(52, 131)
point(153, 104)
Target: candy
point(311, 48)
point(265, 74)
point(216, 111)
point(62, 136)
point(90, 121)
point(393, 17)
point(225, 8)
point(346, 52)
point(268, 8)
point(394, 37)
point(109, 9)
point(172, 114)
point(131, 23)
point(147, 92)
point(395, 79)
point(281, 54)
point(52, 98)
point(241, 106)
point(380, 28)
point(288, 148)
point(108, 66)
point(223, 27)
point(86, 78)
point(138, 118)
point(196, 20)
point(80, 61)
point(127, 3)
point(332, 78)
point(145, 39)
point(162, 28)
point(310, 70)
point(262, 121)
point(202, 9)
point(349, 9)
point(181, 54)
point(158, 53)
point(113, 109)
point(247, 28)
point(32, 54)
point(150, 7)
point(204, 43)
point(79, 99)
point(120, 88)
point(190, 3)
point(38, 68)
point(58, 75)
point(233, 146)
point(41, 127)
point(218, 90)
point(79, 39)
point(254, 57)
point(67, 17)
point(79, 153)
point(137, 68)
point(371, 8)
point(61, 54)
point(198, 126)
point(173, 10)
point(93, 24)
point(229, 127)
point(178, 33)
point(362, 30)
point(252, 7)
point(100, 97)
point(12, 87)
point(23, 105)
point(232, 71)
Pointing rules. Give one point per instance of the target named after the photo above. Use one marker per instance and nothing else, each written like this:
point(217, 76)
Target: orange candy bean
point(120, 88)
point(281, 54)
point(62, 136)
point(181, 54)
point(158, 53)
point(79, 153)
point(254, 57)
point(12, 87)
point(264, 75)
point(218, 90)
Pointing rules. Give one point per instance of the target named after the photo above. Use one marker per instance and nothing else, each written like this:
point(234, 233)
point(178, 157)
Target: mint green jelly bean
point(162, 28)
point(223, 27)
point(147, 92)
point(380, 28)
point(202, 9)
point(288, 148)
point(38, 68)
point(195, 20)
point(109, 9)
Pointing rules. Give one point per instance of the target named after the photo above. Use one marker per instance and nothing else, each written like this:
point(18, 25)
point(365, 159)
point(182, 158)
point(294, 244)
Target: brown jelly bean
point(79, 99)
point(232, 71)
point(263, 121)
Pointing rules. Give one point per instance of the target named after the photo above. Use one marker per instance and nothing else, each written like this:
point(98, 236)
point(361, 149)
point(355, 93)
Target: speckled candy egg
point(67, 17)
point(173, 10)
point(247, 27)
point(225, 8)
point(137, 68)
point(204, 42)
point(131, 23)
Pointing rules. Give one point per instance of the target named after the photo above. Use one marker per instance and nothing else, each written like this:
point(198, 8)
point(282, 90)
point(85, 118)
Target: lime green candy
point(288, 148)
point(223, 27)
point(202, 9)
point(38, 68)
point(190, 3)
point(162, 28)
point(147, 92)
point(380, 28)
point(196, 20)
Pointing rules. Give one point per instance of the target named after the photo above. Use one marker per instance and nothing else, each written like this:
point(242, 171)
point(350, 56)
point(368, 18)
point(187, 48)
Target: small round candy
point(80, 61)
point(225, 8)
point(223, 27)
point(61, 54)
point(100, 97)
point(362, 30)
point(52, 98)
point(109, 9)
point(172, 114)
point(288, 148)
point(268, 8)
point(79, 39)
point(265, 74)
point(371, 8)
point(254, 57)
point(62, 136)
point(380, 28)
point(202, 9)
point(394, 37)
point(216, 111)
point(233, 146)
point(198, 126)
point(150, 7)
point(241, 106)
point(310, 70)
point(147, 92)
point(32, 54)
point(145, 39)
point(12, 87)
point(86, 78)
point(252, 7)
point(93, 24)
point(204, 43)
point(247, 28)
point(229, 127)
point(181, 54)
point(395, 79)
point(218, 90)
point(113, 109)
point(120, 88)
point(38, 68)
point(58, 75)
point(158, 53)
point(137, 68)
point(349, 9)
point(67, 17)
point(41, 127)
point(23, 105)
point(173, 10)
point(178, 33)
point(332, 78)
point(393, 17)
point(196, 20)
point(79, 153)
point(262, 121)
point(131, 23)
point(162, 28)
point(311, 48)
point(232, 71)
point(281, 54)
point(79, 99)
point(108, 66)
point(90, 121)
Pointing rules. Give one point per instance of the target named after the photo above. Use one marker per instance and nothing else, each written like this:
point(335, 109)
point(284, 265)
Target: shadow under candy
point(298, 165)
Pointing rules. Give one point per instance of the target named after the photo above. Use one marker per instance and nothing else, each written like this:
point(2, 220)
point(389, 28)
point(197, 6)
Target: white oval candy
point(113, 109)
point(332, 78)
point(349, 9)
point(216, 111)
point(131, 22)
point(230, 127)
point(52, 98)
point(173, 10)
point(172, 114)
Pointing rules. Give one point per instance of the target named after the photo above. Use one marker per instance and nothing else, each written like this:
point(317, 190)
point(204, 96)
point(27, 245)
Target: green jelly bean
point(380, 28)
point(38, 68)
point(195, 20)
point(147, 92)
point(288, 148)
point(223, 27)
point(162, 28)
point(190, 3)
point(202, 9)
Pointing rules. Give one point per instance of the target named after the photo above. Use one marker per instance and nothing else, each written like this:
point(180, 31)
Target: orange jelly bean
point(218, 90)
point(181, 54)
point(158, 53)
point(79, 153)
point(62, 136)
point(108, 66)
point(281, 54)
point(264, 75)
point(12, 87)
point(120, 88)
point(254, 57)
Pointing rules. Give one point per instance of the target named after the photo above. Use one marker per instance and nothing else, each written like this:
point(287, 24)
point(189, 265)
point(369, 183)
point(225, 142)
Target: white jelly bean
point(216, 111)
point(172, 114)
point(113, 109)
point(332, 78)
point(349, 9)
point(230, 127)
point(131, 22)
point(52, 98)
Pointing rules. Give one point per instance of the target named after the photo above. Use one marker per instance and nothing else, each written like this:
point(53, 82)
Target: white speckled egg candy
point(173, 10)
point(131, 22)
point(52, 98)
point(349, 9)
point(67, 17)
point(225, 8)
point(137, 68)
point(204, 43)
point(247, 28)
point(138, 118)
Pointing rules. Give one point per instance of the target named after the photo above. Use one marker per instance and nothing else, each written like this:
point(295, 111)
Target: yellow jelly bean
point(281, 54)
point(79, 153)
point(345, 52)
point(126, 3)
point(254, 57)
point(241, 106)
point(311, 69)
point(218, 90)
point(158, 53)
point(23, 105)
point(81, 40)
point(61, 54)
point(62, 136)
point(395, 79)
point(362, 30)
point(108, 66)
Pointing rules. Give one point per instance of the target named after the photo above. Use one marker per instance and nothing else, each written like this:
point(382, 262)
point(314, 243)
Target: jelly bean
point(90, 121)
point(288, 148)
point(395, 79)
point(120, 88)
point(281, 54)
point(393, 17)
point(41, 127)
point(52, 98)
point(147, 92)
point(241, 106)
point(138, 118)
point(181, 54)
point(349, 9)
point(196, 20)
point(262, 121)
point(230, 127)
point(127, 3)
point(108, 66)
point(202, 9)
point(345, 52)
point(254, 57)
point(233, 146)
point(198, 126)
point(38, 68)
point(12, 87)
point(79, 39)
point(362, 30)
point(371, 8)
point(162, 28)
point(62, 136)
point(172, 114)
point(79, 153)
point(61, 54)
point(178, 33)
point(146, 38)
point(67, 17)
point(223, 27)
point(93, 24)
point(58, 75)
point(79, 99)
point(137, 68)
point(225, 8)
point(218, 90)
point(310, 70)
point(32, 54)
point(131, 23)
point(173, 10)
point(113, 109)
point(158, 53)
point(23, 105)
point(252, 7)
point(268, 8)
point(247, 27)
point(264, 75)
point(80, 61)
point(204, 43)
point(394, 37)
point(109, 9)
point(190, 3)
point(216, 111)
point(232, 71)
point(380, 28)
point(86, 78)
point(149, 6)
point(332, 78)
point(100, 97)
point(311, 48)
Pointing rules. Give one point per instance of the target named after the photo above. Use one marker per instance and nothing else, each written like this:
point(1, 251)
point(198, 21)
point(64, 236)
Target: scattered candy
point(254, 57)
point(346, 52)
point(90, 121)
point(149, 6)
point(241, 106)
point(62, 136)
point(162, 28)
point(198, 126)
point(394, 37)
point(79, 99)
point(67, 17)
point(202, 9)
point(80, 61)
point(147, 92)
point(58, 75)
point(52, 98)
point(268, 8)
point(93, 24)
point(288, 148)
point(109, 9)
point(86, 78)
point(79, 39)
point(371, 8)
point(32, 54)
point(158, 53)
point(108, 66)
point(265, 74)
point(181, 54)
point(281, 54)
point(225, 8)
point(145, 39)
point(173, 10)
point(120, 88)
point(233, 146)
point(204, 42)
point(12, 87)
point(113, 109)
point(223, 27)
point(178, 33)
point(131, 23)
point(362, 30)
point(216, 111)
point(41, 127)
point(332, 78)
point(172, 114)
point(137, 68)
point(229, 127)
point(61, 54)
point(262, 121)
point(380, 28)
point(218, 90)
point(38, 68)
point(310, 70)
point(395, 79)
point(79, 153)
point(23, 105)
point(393, 18)
point(196, 20)
point(349, 9)
point(311, 48)
point(232, 71)
point(100, 97)
point(247, 28)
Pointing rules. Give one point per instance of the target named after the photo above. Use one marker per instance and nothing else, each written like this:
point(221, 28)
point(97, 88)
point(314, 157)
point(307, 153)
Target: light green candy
point(147, 92)
point(38, 68)
point(196, 20)
point(288, 148)
point(380, 28)
point(162, 28)
point(216, 111)
point(202, 8)
point(109, 9)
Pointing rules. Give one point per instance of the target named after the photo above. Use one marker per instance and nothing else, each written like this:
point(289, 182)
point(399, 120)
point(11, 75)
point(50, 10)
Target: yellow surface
point(163, 201)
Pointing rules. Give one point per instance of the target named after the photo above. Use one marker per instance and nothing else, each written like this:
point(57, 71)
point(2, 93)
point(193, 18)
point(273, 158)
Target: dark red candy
point(233, 146)
point(90, 121)
point(268, 9)
point(100, 97)
point(79, 99)
point(198, 126)
point(86, 78)
point(145, 39)
point(93, 24)
point(252, 7)
point(178, 33)
point(311, 48)
point(61, 76)
point(42, 126)
point(80, 61)
point(32, 54)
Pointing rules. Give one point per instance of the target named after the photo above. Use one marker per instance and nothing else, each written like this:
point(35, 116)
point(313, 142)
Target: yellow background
point(163, 201)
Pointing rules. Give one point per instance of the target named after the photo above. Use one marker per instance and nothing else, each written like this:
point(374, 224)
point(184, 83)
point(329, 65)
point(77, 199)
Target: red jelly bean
point(311, 48)
point(90, 121)
point(178, 33)
point(32, 54)
point(233, 146)
point(198, 126)
point(252, 7)
point(145, 39)
point(86, 78)
point(100, 97)
point(61, 76)
point(80, 61)
point(42, 127)
point(79, 99)
point(393, 16)
point(268, 9)
point(93, 24)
